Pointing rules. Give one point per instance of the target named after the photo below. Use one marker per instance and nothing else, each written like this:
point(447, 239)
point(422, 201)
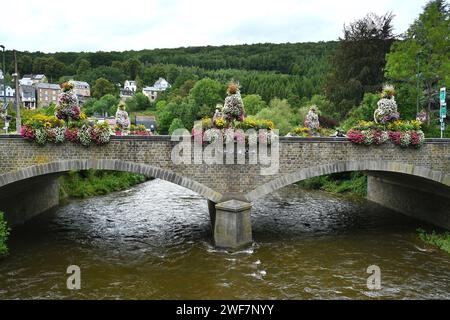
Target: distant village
point(36, 92)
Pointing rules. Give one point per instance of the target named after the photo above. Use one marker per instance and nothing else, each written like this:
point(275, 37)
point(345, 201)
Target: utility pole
point(4, 80)
point(16, 75)
point(417, 84)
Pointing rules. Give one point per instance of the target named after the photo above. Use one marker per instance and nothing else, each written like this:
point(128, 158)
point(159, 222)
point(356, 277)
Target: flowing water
point(153, 242)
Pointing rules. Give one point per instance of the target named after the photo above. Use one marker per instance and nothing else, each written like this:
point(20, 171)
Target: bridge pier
point(230, 223)
point(415, 197)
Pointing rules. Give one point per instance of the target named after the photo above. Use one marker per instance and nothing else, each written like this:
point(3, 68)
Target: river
point(153, 242)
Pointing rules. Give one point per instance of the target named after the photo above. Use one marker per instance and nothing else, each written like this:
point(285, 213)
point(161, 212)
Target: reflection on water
point(153, 242)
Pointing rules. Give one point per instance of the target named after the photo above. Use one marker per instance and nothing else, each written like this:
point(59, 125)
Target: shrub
point(4, 234)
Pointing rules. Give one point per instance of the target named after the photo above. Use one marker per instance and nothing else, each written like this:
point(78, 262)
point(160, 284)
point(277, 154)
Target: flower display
point(301, 132)
point(401, 133)
point(233, 108)
point(67, 108)
point(422, 116)
point(139, 130)
point(42, 129)
point(312, 119)
point(122, 119)
point(386, 107)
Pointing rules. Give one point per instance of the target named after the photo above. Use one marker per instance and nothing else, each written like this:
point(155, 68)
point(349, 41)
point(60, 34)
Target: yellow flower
point(83, 116)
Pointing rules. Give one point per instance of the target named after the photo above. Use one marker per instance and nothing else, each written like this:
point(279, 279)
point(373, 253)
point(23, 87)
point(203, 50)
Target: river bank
point(88, 183)
point(349, 183)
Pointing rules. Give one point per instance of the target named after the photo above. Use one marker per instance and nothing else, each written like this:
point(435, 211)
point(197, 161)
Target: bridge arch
point(110, 164)
point(348, 166)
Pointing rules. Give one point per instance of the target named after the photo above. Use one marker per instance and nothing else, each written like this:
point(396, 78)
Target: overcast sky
point(93, 25)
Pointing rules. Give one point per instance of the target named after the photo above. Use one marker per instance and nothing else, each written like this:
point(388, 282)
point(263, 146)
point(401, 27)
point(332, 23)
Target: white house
point(162, 84)
point(31, 79)
point(159, 86)
point(10, 93)
point(130, 85)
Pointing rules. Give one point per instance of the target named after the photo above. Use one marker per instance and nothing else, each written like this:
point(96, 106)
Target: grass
point(442, 241)
point(354, 183)
point(4, 234)
point(88, 183)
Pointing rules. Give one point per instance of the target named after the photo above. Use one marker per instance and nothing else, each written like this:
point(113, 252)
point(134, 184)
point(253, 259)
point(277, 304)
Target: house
point(31, 79)
point(129, 90)
point(10, 93)
point(162, 84)
point(47, 93)
point(28, 96)
point(159, 86)
point(81, 89)
point(130, 85)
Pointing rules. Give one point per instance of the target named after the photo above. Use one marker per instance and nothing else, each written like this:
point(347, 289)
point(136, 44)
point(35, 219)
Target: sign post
point(443, 109)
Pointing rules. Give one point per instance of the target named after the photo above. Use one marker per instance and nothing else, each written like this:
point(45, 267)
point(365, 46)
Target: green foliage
point(442, 241)
point(138, 102)
point(4, 234)
point(207, 92)
point(106, 104)
point(253, 103)
point(280, 113)
point(82, 184)
point(357, 66)
point(176, 124)
point(346, 182)
point(102, 87)
point(424, 51)
point(325, 106)
point(362, 112)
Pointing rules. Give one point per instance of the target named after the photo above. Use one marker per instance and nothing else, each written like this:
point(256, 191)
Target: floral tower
point(387, 107)
point(122, 118)
point(233, 108)
point(312, 119)
point(67, 108)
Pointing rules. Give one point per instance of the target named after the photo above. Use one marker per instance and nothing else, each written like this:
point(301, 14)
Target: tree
point(176, 124)
point(83, 66)
point(206, 94)
point(107, 104)
point(422, 58)
point(138, 102)
point(133, 67)
point(279, 111)
point(358, 64)
point(253, 103)
point(102, 87)
point(25, 64)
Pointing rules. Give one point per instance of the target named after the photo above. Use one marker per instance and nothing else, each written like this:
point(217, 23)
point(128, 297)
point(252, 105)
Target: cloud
point(90, 25)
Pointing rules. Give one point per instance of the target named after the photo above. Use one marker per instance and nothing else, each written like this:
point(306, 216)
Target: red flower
point(355, 136)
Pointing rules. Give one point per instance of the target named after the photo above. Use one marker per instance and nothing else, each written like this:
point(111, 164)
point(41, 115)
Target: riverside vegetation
point(88, 183)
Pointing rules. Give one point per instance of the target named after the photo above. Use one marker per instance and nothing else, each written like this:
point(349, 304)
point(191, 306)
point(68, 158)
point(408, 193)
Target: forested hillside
point(270, 70)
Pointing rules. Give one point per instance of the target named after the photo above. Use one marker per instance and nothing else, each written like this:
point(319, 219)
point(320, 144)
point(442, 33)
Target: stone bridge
point(413, 181)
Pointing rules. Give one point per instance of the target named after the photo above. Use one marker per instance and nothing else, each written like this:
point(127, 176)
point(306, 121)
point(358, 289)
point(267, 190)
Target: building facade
point(159, 86)
point(81, 89)
point(10, 94)
point(28, 96)
point(32, 79)
point(47, 93)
